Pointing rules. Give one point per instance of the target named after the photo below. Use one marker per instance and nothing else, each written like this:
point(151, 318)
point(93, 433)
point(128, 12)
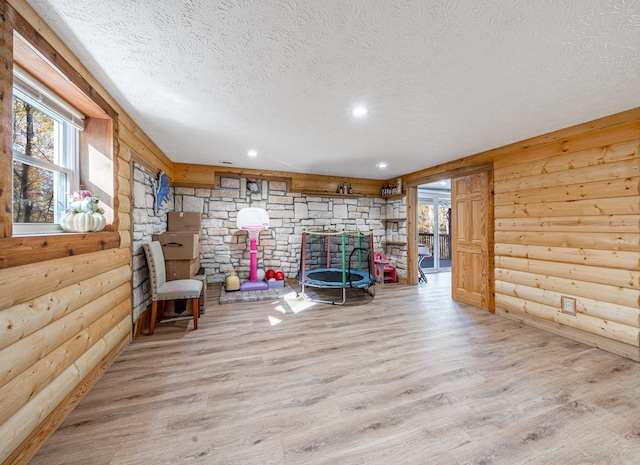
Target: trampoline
point(336, 260)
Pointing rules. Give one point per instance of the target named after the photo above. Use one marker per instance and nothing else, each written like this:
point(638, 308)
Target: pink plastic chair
point(385, 269)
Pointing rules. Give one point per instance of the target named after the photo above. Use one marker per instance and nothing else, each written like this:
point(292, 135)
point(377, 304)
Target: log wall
point(66, 300)
point(567, 223)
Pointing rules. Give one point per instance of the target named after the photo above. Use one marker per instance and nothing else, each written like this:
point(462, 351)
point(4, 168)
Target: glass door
point(426, 236)
point(443, 250)
point(434, 229)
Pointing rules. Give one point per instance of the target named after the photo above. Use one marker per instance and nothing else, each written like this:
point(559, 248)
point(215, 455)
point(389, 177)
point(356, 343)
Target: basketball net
point(253, 234)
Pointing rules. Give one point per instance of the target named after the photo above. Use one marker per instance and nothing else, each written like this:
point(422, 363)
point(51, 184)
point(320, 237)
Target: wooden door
point(470, 270)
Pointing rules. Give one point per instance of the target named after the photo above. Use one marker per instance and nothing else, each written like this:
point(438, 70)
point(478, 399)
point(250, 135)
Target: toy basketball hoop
point(253, 232)
point(253, 220)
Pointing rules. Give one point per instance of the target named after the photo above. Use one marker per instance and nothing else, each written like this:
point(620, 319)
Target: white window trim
point(28, 89)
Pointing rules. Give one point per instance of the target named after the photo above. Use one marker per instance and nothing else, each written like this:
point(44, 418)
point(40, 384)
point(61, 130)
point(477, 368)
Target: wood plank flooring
point(409, 377)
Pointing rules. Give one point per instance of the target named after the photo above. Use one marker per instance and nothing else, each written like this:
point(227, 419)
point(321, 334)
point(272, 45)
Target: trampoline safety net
point(336, 259)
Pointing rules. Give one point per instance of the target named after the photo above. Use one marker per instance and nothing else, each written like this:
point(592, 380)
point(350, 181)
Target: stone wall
point(145, 224)
point(225, 247)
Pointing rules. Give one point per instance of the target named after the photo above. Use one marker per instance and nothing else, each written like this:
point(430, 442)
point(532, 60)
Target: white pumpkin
point(99, 220)
point(82, 222)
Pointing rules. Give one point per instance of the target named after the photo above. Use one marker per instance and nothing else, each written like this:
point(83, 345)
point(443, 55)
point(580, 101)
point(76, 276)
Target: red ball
point(270, 274)
point(279, 276)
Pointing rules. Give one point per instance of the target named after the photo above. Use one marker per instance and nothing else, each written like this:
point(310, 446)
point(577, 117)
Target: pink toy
point(253, 220)
point(385, 269)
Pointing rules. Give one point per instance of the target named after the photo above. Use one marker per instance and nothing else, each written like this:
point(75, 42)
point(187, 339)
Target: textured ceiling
point(209, 80)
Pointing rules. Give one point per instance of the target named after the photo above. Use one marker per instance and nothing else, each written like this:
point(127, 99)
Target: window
point(45, 155)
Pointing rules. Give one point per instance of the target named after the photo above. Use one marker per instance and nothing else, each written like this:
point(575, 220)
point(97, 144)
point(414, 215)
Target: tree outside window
point(426, 220)
point(34, 136)
point(45, 154)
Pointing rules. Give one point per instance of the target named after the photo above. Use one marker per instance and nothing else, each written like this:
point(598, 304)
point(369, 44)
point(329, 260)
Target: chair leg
point(154, 313)
point(196, 312)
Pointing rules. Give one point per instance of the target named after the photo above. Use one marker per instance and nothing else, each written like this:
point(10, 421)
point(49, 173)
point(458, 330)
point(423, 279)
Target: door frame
point(412, 222)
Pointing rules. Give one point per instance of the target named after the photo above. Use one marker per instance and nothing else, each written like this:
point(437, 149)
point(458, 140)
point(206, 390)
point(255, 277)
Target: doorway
point(434, 226)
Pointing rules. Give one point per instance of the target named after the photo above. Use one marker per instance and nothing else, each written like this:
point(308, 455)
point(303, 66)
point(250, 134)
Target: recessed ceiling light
point(359, 111)
point(382, 164)
point(252, 153)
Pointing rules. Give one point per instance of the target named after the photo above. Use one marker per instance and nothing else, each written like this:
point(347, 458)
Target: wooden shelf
point(23, 250)
point(394, 196)
point(332, 194)
point(393, 220)
point(394, 243)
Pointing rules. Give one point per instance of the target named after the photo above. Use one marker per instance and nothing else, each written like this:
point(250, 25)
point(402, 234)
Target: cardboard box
point(181, 269)
point(180, 245)
point(184, 221)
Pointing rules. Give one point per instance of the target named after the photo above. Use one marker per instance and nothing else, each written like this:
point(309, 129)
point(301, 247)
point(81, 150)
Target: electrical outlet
point(568, 305)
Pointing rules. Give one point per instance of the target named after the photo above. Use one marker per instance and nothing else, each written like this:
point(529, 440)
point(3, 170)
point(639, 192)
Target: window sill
point(26, 249)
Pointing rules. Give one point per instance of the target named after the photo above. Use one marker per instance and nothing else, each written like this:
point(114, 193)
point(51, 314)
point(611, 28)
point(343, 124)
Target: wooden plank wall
point(567, 224)
point(566, 209)
point(63, 321)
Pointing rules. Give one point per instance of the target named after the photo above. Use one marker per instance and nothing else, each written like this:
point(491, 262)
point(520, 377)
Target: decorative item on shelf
point(345, 189)
point(391, 189)
point(350, 189)
point(84, 214)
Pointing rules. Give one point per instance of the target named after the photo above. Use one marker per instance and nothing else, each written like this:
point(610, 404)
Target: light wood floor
point(409, 377)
